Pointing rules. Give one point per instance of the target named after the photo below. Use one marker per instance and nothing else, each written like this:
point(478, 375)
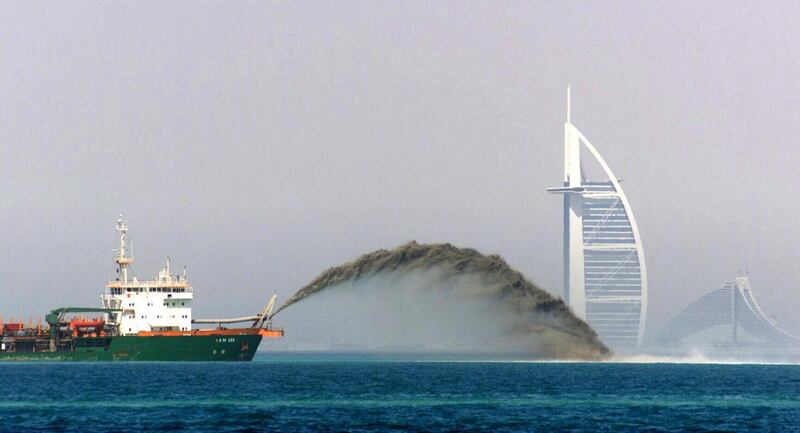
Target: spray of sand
point(536, 321)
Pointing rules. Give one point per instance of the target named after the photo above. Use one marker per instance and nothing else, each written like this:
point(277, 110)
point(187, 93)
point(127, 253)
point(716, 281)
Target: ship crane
point(56, 318)
point(262, 320)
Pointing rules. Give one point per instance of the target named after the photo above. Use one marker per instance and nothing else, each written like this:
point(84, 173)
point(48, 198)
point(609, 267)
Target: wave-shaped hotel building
point(729, 315)
point(605, 278)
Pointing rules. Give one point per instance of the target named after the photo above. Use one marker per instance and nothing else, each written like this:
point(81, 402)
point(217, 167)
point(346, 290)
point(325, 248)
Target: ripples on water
point(310, 393)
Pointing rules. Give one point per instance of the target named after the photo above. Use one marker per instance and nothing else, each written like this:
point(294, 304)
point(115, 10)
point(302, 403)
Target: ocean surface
point(392, 393)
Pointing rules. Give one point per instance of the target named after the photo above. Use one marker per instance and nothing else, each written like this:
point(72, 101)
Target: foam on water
point(695, 356)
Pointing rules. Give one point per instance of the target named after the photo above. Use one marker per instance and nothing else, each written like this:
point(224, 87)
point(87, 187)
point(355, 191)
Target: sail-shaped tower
point(605, 278)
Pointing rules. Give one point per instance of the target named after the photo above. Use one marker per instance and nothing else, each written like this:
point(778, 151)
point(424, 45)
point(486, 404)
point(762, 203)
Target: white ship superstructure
point(163, 304)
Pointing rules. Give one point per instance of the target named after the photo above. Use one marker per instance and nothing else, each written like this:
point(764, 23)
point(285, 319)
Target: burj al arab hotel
point(605, 279)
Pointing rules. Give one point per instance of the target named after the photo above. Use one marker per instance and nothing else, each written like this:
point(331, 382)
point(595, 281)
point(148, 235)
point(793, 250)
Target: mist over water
point(439, 297)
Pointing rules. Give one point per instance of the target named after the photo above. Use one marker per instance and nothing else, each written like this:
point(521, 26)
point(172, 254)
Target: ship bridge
point(161, 304)
point(728, 314)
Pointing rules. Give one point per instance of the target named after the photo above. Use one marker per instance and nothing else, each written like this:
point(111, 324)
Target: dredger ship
point(139, 320)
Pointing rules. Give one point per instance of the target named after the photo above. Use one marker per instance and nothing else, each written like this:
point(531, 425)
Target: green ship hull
point(150, 348)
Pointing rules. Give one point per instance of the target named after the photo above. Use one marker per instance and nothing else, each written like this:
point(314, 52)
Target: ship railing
point(118, 287)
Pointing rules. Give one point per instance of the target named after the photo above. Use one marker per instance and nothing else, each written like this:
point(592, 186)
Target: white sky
point(259, 143)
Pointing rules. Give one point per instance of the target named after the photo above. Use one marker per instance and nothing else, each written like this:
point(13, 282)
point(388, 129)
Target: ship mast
point(122, 260)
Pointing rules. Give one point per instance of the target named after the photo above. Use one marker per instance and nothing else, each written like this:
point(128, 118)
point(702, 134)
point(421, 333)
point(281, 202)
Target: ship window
point(181, 304)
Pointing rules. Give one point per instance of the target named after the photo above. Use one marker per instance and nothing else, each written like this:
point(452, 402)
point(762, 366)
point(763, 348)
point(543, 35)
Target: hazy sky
point(259, 143)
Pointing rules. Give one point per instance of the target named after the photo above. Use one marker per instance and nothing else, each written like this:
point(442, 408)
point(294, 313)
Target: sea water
point(386, 393)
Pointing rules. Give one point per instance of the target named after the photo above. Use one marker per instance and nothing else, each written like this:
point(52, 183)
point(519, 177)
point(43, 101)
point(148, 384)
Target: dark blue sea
point(376, 393)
